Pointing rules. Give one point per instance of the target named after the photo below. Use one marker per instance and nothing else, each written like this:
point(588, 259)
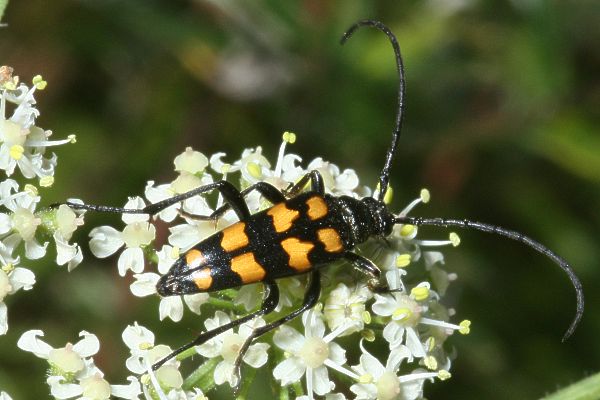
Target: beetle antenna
point(384, 177)
point(519, 237)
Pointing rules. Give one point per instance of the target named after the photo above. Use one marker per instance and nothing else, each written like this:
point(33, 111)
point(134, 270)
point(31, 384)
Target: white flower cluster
point(409, 322)
point(72, 372)
point(23, 156)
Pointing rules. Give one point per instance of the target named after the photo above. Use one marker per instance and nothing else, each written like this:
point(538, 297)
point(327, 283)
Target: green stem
point(284, 393)
point(585, 389)
point(298, 389)
point(3, 4)
point(226, 304)
point(196, 378)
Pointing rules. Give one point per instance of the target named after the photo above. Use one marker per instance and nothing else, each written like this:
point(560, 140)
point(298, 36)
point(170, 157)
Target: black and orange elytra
point(302, 232)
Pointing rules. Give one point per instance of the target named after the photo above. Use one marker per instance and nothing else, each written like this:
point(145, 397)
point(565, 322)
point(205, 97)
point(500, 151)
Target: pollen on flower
point(430, 362)
point(455, 239)
point(47, 181)
point(402, 314)
point(407, 230)
point(431, 343)
point(16, 151)
point(289, 137)
point(8, 267)
point(368, 335)
point(389, 195)
point(443, 375)
point(175, 251)
point(366, 317)
point(39, 82)
point(31, 190)
point(145, 346)
point(7, 80)
point(365, 378)
point(254, 169)
point(465, 327)
point(425, 196)
point(145, 379)
point(420, 293)
point(403, 260)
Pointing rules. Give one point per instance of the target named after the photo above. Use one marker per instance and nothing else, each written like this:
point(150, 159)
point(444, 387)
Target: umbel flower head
point(324, 353)
point(25, 229)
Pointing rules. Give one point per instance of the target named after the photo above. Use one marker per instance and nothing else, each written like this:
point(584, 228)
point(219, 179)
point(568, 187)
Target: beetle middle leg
point(316, 184)
point(268, 191)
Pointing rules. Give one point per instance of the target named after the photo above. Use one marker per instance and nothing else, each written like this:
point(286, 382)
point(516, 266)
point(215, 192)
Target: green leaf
point(585, 389)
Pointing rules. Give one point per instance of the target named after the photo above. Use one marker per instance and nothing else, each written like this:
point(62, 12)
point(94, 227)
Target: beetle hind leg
point(310, 299)
point(268, 305)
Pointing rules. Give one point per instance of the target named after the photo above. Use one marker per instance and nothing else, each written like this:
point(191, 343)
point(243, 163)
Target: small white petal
point(34, 250)
point(88, 345)
point(194, 301)
point(257, 355)
point(22, 278)
point(414, 343)
point(131, 258)
point(3, 319)
point(65, 252)
point(288, 339)
point(364, 391)
point(384, 305)
point(5, 223)
point(224, 373)
point(289, 371)
point(135, 203)
point(321, 383)
point(171, 307)
point(393, 333)
point(145, 284)
point(29, 342)
point(63, 390)
point(105, 241)
point(135, 334)
point(131, 391)
point(337, 354)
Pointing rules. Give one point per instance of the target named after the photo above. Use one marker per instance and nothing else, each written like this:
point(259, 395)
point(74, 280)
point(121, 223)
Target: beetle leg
point(268, 191)
point(316, 184)
point(232, 196)
point(269, 303)
point(310, 299)
point(367, 266)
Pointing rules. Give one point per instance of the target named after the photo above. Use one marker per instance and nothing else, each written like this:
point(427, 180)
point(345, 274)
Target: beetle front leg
point(367, 266)
point(231, 195)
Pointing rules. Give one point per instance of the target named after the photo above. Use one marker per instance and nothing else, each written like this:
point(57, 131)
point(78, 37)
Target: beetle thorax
point(365, 218)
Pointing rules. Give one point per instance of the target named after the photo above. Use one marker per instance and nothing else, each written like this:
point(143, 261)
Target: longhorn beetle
point(300, 233)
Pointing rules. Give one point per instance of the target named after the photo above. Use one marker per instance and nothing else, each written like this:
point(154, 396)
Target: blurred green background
point(501, 125)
